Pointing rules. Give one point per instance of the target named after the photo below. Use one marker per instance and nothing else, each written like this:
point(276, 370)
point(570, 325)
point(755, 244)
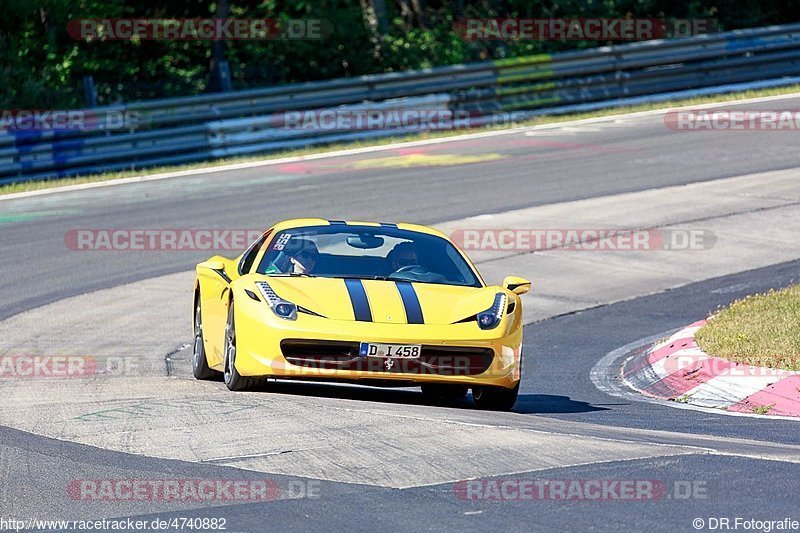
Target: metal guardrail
point(197, 128)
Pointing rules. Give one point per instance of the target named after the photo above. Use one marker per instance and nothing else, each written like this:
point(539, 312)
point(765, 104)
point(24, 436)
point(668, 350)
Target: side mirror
point(213, 265)
point(516, 284)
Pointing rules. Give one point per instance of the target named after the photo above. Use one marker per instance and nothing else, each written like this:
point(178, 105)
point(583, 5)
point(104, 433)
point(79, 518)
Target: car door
point(215, 277)
point(214, 287)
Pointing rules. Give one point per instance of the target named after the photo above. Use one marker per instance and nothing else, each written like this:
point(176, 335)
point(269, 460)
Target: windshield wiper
point(381, 278)
point(292, 275)
point(392, 277)
point(400, 278)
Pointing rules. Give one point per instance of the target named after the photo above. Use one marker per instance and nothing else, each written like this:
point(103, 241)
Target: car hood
point(385, 301)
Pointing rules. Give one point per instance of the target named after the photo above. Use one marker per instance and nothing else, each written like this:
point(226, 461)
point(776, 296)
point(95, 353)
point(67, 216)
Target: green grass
point(37, 185)
point(760, 330)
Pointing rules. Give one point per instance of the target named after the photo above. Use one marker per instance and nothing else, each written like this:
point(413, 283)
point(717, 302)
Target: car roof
point(305, 222)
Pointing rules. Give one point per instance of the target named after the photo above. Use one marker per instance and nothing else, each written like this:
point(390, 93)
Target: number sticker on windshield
point(280, 242)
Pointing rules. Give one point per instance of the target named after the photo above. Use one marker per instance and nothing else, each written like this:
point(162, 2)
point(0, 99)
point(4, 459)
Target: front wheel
point(495, 398)
point(233, 380)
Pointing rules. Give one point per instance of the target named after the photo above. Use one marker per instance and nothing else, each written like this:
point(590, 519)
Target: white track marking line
point(725, 391)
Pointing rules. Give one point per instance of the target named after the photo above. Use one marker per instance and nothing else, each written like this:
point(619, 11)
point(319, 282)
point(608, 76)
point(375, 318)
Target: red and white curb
point(678, 370)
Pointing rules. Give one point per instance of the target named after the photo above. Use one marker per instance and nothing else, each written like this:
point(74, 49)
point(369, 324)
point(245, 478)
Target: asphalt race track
point(572, 163)
point(381, 458)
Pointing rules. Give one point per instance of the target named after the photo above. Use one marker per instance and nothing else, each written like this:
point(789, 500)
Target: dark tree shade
point(41, 66)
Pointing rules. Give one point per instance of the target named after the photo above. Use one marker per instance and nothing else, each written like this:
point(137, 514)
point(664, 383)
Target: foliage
point(43, 67)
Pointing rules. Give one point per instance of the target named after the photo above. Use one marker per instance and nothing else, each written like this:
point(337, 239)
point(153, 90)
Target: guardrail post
point(223, 76)
point(89, 91)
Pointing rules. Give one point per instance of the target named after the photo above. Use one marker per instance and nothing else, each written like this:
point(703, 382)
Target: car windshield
point(366, 252)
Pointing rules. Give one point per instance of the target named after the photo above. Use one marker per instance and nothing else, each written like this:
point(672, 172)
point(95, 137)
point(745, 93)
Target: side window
point(250, 255)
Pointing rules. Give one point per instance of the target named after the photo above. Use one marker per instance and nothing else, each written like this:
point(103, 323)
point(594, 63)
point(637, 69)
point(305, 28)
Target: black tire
point(200, 367)
point(495, 398)
point(438, 393)
point(233, 380)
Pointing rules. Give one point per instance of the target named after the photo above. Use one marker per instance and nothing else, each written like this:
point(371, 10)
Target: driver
point(402, 255)
point(305, 258)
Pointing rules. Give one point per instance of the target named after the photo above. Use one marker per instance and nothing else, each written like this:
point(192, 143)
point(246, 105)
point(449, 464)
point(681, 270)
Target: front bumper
point(313, 347)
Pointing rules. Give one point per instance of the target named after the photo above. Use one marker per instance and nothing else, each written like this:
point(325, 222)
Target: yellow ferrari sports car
point(367, 302)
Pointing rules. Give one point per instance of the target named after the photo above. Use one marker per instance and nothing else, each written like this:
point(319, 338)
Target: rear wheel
point(233, 380)
point(442, 392)
point(200, 367)
point(495, 398)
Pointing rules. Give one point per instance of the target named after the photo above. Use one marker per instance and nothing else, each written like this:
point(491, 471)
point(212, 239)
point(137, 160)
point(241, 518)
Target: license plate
point(390, 351)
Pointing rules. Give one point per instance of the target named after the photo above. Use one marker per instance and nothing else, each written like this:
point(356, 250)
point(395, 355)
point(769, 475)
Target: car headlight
point(279, 306)
point(490, 318)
